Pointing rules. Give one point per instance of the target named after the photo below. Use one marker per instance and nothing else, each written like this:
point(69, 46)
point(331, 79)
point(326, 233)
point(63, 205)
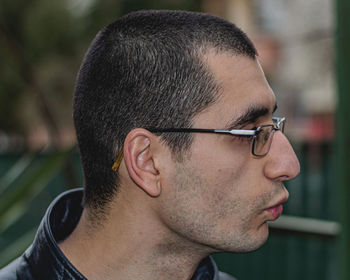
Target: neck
point(131, 244)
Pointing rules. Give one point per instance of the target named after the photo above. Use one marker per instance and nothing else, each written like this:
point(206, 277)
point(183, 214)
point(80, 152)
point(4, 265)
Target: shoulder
point(18, 269)
point(225, 276)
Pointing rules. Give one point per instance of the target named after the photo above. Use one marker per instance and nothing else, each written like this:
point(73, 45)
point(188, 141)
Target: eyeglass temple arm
point(153, 129)
point(118, 161)
point(236, 131)
point(204, 130)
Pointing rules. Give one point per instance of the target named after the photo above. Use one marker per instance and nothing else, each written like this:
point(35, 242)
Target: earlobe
point(139, 161)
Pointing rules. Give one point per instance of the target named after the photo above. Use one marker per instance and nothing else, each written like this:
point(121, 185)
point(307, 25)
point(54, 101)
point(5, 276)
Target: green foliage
point(31, 34)
point(24, 184)
point(11, 86)
point(49, 28)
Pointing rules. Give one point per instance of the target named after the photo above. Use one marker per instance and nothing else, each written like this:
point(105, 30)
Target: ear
point(139, 161)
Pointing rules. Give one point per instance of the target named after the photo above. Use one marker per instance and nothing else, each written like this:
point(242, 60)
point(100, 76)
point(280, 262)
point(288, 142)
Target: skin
point(168, 215)
point(221, 192)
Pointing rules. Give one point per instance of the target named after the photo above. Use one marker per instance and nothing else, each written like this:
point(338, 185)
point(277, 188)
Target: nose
point(281, 163)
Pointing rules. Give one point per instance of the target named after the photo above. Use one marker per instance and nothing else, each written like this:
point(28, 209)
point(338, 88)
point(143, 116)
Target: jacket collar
point(44, 256)
point(60, 219)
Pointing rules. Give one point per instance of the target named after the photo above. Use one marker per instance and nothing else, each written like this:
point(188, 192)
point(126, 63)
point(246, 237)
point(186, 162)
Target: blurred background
point(42, 44)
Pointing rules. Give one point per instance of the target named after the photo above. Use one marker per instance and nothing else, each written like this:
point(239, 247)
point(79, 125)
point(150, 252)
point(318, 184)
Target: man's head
point(180, 70)
point(145, 69)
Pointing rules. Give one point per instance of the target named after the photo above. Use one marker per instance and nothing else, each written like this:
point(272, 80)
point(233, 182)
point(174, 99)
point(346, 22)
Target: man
point(181, 155)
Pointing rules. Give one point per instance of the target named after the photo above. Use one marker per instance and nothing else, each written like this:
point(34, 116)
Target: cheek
point(185, 204)
point(213, 207)
point(219, 179)
point(211, 193)
point(230, 176)
point(238, 195)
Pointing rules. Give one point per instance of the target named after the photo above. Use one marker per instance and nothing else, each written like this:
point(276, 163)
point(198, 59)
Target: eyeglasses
point(262, 136)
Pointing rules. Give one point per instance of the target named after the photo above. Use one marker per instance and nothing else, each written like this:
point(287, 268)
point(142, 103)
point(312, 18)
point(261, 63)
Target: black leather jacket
point(44, 260)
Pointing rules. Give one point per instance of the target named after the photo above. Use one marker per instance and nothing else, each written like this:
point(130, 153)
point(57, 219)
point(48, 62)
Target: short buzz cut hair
point(146, 69)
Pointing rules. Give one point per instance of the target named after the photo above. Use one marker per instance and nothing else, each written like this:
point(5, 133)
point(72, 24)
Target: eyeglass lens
point(262, 141)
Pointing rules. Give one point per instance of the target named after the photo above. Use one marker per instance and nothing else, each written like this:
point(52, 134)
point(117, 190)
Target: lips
point(276, 210)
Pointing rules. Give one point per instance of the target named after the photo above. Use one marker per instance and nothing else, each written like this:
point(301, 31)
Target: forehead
point(242, 86)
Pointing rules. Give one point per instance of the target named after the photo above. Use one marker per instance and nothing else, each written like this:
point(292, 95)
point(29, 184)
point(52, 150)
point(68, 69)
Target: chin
point(249, 242)
point(258, 239)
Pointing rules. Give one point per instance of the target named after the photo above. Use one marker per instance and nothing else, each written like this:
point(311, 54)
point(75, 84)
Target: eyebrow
point(251, 115)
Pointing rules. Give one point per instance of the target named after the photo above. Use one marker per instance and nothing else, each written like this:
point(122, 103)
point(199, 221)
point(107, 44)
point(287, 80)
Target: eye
point(266, 136)
point(243, 138)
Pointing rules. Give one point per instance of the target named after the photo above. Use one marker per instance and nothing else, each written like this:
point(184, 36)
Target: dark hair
point(145, 69)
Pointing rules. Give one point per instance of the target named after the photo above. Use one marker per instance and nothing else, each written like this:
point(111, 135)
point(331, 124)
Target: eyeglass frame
point(279, 124)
